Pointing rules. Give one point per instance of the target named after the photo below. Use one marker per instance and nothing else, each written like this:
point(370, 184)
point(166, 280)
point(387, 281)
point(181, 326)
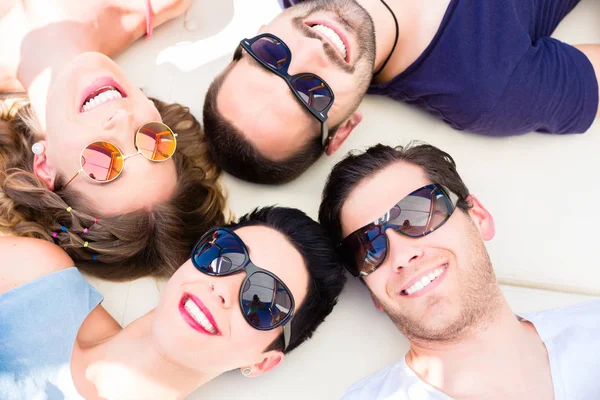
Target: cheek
point(145, 110)
point(376, 282)
point(250, 342)
point(63, 155)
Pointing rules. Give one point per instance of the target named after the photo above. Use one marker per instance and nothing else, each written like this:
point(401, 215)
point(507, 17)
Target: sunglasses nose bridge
point(125, 157)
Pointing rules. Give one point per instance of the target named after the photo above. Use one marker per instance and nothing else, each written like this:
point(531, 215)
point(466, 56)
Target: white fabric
point(572, 341)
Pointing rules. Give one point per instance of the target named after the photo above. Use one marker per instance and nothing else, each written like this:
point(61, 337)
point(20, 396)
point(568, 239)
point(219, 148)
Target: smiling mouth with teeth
point(100, 96)
point(333, 37)
point(197, 318)
point(424, 281)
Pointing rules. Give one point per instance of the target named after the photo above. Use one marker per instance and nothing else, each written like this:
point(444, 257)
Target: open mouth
point(196, 314)
point(424, 281)
point(103, 91)
point(334, 36)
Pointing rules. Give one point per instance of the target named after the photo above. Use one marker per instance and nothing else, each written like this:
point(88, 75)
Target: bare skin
point(28, 27)
point(159, 356)
point(247, 84)
point(495, 356)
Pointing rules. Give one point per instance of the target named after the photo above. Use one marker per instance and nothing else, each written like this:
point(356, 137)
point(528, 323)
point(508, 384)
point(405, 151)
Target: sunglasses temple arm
point(430, 213)
point(287, 334)
point(71, 180)
point(325, 134)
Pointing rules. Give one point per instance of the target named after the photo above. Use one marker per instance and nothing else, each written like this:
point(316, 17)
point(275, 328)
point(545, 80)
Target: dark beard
point(479, 296)
point(355, 18)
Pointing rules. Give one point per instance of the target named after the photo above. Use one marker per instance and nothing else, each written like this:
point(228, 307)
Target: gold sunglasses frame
point(125, 157)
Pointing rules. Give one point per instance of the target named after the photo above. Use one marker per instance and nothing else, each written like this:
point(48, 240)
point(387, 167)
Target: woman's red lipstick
point(191, 320)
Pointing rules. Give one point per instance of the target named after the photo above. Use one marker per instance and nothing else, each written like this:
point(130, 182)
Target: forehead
point(261, 105)
point(271, 250)
point(375, 195)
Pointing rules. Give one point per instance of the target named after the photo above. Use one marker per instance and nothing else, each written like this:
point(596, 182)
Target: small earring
point(211, 285)
point(37, 148)
point(246, 371)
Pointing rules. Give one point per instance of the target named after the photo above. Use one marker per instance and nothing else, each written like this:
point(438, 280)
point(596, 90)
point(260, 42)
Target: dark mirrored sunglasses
point(265, 301)
point(312, 91)
point(416, 215)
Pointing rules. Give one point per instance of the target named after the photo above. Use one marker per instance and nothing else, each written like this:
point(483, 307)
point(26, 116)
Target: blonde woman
point(121, 182)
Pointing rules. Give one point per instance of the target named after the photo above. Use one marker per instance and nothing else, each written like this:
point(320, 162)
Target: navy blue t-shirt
point(493, 69)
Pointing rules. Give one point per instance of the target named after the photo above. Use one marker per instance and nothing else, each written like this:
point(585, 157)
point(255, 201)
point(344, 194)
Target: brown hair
point(348, 173)
point(236, 155)
point(142, 242)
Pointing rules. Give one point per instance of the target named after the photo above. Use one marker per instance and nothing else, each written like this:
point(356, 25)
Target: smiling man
point(292, 92)
point(409, 228)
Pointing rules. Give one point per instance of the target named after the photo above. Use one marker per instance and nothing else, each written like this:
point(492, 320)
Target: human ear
point(343, 132)
point(42, 169)
point(377, 303)
point(270, 360)
point(482, 218)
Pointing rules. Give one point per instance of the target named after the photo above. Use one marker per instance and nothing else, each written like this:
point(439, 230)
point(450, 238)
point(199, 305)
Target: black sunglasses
point(265, 300)
point(312, 91)
point(416, 215)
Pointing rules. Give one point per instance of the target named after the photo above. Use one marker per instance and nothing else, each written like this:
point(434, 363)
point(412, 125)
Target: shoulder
point(380, 385)
point(564, 322)
point(26, 259)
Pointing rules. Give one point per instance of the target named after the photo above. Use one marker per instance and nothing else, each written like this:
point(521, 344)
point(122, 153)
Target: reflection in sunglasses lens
point(270, 51)
point(416, 215)
point(266, 303)
point(102, 161)
point(313, 92)
point(155, 141)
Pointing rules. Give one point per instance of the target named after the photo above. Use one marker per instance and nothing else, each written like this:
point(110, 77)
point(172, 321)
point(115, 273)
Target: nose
point(227, 289)
point(121, 127)
point(308, 55)
point(120, 118)
point(403, 251)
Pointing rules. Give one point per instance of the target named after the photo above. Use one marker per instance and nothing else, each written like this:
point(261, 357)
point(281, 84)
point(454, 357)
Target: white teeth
point(101, 98)
point(199, 316)
point(334, 37)
point(424, 281)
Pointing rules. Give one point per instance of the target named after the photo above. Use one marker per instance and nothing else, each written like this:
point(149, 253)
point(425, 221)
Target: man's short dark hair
point(237, 156)
point(326, 273)
point(348, 173)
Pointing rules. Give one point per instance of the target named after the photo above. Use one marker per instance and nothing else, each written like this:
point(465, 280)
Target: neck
point(130, 365)
point(484, 358)
point(418, 22)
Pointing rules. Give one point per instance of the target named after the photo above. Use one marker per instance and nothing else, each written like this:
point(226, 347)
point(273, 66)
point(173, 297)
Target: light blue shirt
point(39, 322)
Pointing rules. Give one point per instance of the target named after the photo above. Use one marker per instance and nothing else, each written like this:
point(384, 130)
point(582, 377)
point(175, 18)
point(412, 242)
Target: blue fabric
point(492, 69)
point(39, 322)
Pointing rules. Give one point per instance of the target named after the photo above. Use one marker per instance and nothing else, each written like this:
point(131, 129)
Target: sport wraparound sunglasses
point(103, 161)
point(416, 215)
point(265, 301)
point(310, 90)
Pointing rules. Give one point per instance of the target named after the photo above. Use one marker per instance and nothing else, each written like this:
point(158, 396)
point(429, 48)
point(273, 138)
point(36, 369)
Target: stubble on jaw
point(479, 299)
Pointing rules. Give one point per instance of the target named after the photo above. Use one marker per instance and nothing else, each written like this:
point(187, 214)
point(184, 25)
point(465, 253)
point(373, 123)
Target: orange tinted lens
point(155, 141)
point(102, 161)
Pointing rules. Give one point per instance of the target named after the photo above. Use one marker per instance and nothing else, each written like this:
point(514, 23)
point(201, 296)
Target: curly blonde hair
point(143, 242)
